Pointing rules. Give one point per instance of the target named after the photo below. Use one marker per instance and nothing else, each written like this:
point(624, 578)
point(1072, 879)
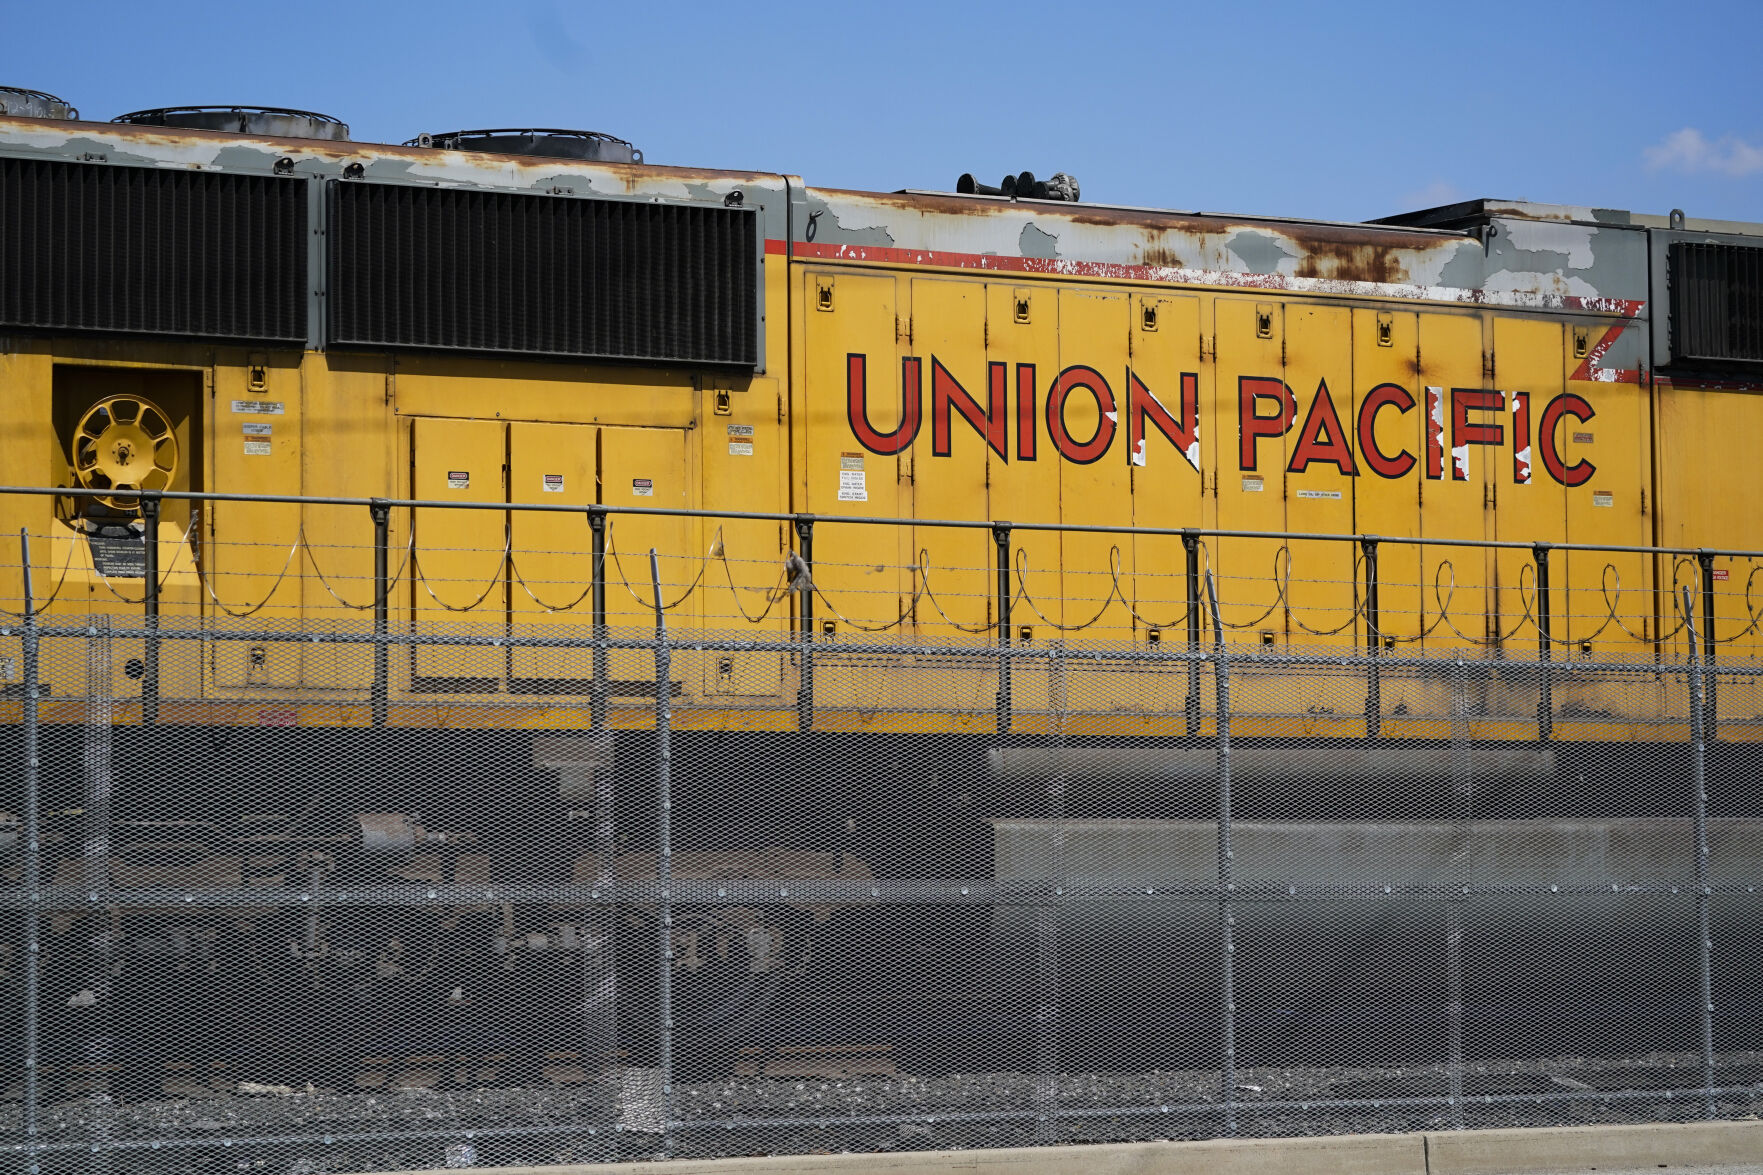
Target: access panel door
point(1455, 491)
point(457, 564)
point(1083, 415)
point(864, 391)
point(550, 556)
point(1388, 431)
point(1527, 508)
point(959, 449)
point(647, 467)
point(1252, 412)
point(1160, 425)
point(1322, 474)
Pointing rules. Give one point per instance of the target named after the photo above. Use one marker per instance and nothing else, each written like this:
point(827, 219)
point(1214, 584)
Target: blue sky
point(1331, 111)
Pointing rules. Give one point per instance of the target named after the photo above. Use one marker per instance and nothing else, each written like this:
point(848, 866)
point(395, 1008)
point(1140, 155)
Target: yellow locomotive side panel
point(1022, 346)
point(257, 431)
point(1306, 415)
point(348, 448)
point(551, 568)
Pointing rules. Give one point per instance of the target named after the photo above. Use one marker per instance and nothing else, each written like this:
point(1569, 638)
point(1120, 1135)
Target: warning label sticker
point(740, 448)
point(744, 431)
point(258, 429)
point(256, 448)
point(1333, 495)
point(851, 461)
point(258, 407)
point(1252, 485)
point(458, 479)
point(1720, 573)
point(852, 487)
point(1603, 498)
point(553, 483)
point(1582, 438)
point(643, 487)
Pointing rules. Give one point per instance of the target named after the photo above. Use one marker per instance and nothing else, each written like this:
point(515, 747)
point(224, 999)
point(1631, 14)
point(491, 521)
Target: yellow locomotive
point(240, 313)
point(346, 440)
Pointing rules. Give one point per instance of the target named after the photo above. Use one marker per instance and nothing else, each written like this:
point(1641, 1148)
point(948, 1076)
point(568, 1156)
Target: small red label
point(1720, 573)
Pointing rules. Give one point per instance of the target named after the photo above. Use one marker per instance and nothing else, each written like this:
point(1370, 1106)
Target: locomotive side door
point(1529, 505)
point(550, 556)
point(1388, 405)
point(647, 467)
point(1087, 406)
point(1164, 366)
point(1249, 468)
point(1455, 491)
point(456, 570)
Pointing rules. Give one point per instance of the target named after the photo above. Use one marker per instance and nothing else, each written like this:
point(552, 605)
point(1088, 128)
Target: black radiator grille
point(1716, 303)
point(136, 250)
point(503, 273)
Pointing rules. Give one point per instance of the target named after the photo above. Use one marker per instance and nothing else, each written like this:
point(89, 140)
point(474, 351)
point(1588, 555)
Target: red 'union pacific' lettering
point(1452, 420)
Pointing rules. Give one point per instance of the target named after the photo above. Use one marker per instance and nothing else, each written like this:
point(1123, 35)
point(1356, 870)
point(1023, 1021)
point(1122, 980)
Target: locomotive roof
point(1496, 251)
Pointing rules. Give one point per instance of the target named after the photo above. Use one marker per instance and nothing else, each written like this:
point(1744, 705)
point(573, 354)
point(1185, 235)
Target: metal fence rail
point(968, 891)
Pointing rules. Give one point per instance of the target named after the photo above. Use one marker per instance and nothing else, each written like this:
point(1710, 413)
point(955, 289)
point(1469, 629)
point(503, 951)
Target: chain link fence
point(911, 894)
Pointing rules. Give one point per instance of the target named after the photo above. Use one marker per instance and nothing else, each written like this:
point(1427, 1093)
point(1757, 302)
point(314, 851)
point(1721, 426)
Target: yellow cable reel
point(124, 443)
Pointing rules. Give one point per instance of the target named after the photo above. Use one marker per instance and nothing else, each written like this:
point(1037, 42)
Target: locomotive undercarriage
point(416, 930)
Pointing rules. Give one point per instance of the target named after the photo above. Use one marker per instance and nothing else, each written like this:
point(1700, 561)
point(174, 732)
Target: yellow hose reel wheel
point(124, 444)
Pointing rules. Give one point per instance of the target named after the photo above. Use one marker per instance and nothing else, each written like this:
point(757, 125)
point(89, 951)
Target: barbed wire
point(514, 566)
point(794, 577)
point(38, 607)
point(293, 549)
point(612, 549)
point(494, 582)
point(164, 578)
point(924, 574)
point(409, 551)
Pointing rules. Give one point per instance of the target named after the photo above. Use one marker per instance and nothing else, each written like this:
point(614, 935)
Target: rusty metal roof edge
point(345, 149)
point(1199, 214)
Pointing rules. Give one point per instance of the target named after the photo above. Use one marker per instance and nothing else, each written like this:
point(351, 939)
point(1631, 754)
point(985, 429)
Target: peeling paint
point(1572, 242)
point(1257, 252)
point(1036, 242)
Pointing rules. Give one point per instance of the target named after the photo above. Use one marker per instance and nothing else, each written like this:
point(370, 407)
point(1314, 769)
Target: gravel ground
point(306, 1133)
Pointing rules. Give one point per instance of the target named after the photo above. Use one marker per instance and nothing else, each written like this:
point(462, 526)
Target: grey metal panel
point(1659, 243)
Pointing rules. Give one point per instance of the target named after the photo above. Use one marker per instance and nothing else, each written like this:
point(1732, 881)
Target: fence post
point(805, 608)
point(95, 847)
point(1710, 682)
point(1373, 641)
point(33, 860)
point(1190, 541)
point(381, 510)
point(1462, 785)
point(1704, 892)
point(1545, 647)
point(1001, 541)
point(1227, 915)
point(664, 846)
point(597, 524)
point(1048, 916)
point(150, 504)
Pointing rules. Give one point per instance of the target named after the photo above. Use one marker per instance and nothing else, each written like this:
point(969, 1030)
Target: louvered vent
point(511, 274)
point(1716, 303)
point(151, 251)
